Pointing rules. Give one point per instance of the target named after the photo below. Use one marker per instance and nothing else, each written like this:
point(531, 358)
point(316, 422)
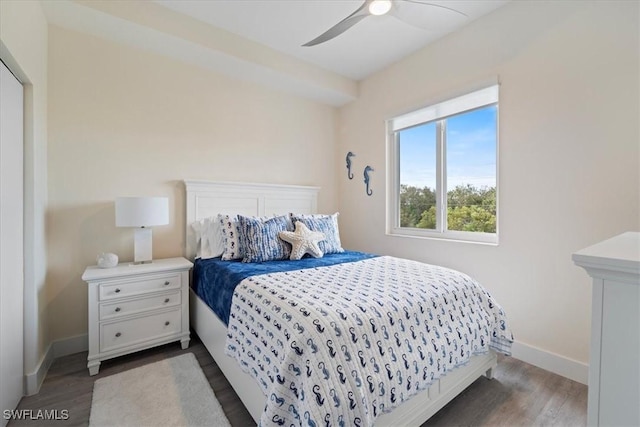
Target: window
point(443, 169)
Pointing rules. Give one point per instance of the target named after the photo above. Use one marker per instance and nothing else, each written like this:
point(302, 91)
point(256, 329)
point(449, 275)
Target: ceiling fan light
point(379, 7)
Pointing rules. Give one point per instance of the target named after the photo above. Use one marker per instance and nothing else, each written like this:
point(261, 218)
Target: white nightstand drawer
point(141, 286)
point(123, 308)
point(128, 332)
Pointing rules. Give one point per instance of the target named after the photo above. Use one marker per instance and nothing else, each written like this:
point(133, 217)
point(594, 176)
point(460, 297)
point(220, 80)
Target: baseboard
point(33, 380)
point(568, 368)
point(64, 347)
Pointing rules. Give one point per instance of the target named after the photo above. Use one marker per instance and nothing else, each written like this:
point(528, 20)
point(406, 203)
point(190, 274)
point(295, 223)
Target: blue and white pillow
point(259, 238)
point(230, 228)
point(326, 224)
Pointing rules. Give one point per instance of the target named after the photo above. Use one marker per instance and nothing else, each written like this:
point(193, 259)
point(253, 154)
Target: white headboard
point(207, 198)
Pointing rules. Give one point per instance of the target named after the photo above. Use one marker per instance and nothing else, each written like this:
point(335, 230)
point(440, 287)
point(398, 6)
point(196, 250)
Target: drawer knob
point(166, 300)
point(167, 323)
point(118, 334)
point(167, 283)
point(117, 309)
point(117, 291)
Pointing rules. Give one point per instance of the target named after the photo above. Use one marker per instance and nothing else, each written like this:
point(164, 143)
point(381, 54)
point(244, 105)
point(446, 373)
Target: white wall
point(23, 47)
point(123, 121)
point(569, 144)
point(569, 158)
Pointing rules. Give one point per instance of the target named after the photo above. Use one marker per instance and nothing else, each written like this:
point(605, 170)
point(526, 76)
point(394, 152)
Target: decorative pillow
point(303, 241)
point(230, 228)
point(259, 238)
point(208, 237)
point(326, 224)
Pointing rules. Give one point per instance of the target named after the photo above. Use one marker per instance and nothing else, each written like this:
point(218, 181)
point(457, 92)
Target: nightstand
point(134, 307)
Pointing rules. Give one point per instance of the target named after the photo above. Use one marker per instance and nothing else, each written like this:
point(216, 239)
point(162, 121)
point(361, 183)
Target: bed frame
point(206, 199)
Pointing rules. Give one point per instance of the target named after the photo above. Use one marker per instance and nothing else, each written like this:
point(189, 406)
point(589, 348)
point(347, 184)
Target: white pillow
point(197, 227)
point(208, 237)
point(214, 238)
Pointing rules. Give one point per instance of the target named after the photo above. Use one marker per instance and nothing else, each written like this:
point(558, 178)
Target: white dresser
point(614, 365)
point(133, 307)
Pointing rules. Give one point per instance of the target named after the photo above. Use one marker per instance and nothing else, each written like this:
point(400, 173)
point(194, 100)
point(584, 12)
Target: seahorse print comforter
point(339, 345)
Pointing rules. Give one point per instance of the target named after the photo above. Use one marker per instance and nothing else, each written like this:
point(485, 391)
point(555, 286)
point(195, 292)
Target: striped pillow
point(326, 224)
point(259, 238)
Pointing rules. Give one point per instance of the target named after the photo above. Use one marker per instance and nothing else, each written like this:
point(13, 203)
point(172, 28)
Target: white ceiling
point(370, 45)
point(261, 40)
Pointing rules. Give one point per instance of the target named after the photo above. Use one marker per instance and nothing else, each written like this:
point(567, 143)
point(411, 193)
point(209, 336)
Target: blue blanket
point(215, 280)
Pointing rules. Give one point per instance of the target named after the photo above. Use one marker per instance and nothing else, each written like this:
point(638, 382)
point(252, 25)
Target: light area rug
point(171, 392)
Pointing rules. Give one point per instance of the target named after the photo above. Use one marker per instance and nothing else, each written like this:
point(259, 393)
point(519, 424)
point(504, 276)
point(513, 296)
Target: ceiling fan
point(375, 8)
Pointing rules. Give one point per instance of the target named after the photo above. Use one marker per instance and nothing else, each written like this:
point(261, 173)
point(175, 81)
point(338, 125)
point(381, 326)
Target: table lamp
point(142, 212)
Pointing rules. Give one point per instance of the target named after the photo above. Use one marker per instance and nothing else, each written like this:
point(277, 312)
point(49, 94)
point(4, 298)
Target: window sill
point(489, 239)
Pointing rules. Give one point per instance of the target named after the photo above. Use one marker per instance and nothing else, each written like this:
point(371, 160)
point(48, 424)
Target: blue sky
point(471, 151)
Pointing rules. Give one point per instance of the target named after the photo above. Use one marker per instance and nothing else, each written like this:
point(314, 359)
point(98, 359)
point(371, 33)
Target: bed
point(385, 369)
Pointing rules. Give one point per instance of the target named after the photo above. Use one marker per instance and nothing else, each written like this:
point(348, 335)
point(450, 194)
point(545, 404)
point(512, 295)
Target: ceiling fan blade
point(426, 3)
point(426, 15)
point(341, 26)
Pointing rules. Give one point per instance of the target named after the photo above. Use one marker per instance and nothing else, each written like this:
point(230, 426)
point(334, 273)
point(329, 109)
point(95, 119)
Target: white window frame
point(436, 112)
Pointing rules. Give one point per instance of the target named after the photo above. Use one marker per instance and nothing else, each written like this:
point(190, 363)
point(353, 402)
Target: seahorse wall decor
point(349, 156)
point(367, 179)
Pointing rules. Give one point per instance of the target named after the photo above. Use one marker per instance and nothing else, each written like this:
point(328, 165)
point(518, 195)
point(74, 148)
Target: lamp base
point(142, 246)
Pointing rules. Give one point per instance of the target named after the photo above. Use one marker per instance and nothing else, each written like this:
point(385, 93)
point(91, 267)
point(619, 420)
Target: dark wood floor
point(519, 395)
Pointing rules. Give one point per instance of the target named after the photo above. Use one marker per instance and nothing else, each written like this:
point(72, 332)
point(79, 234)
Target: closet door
point(11, 241)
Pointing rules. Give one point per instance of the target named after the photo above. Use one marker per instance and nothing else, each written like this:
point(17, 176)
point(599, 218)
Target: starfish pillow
point(303, 241)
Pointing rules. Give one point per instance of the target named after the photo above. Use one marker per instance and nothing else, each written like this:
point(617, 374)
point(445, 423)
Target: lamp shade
point(142, 211)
